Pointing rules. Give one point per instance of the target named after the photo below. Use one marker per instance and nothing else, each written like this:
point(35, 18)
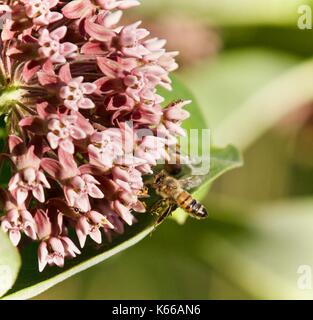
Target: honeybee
point(174, 195)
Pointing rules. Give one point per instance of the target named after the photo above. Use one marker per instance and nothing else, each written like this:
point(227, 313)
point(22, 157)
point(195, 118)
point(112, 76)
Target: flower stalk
point(9, 97)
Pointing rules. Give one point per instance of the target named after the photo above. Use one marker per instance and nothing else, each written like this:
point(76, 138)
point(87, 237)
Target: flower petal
point(86, 103)
point(15, 236)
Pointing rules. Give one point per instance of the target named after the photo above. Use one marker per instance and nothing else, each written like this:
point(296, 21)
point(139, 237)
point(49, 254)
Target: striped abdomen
point(193, 207)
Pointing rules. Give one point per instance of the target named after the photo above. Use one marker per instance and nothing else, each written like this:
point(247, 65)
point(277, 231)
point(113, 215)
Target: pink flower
point(167, 135)
point(74, 94)
point(29, 177)
point(129, 179)
point(115, 69)
point(78, 185)
point(105, 147)
point(44, 225)
point(55, 246)
point(167, 61)
point(123, 212)
point(89, 225)
point(54, 250)
point(155, 47)
point(130, 41)
point(39, 11)
point(79, 188)
point(28, 180)
point(147, 115)
point(151, 149)
point(63, 129)
point(77, 9)
point(17, 219)
point(141, 84)
point(174, 115)
point(51, 48)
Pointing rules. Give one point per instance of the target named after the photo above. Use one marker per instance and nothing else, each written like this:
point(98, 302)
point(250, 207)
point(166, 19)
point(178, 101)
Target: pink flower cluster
point(85, 120)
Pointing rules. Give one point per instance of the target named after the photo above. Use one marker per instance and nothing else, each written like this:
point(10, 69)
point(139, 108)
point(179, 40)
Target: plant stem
point(8, 98)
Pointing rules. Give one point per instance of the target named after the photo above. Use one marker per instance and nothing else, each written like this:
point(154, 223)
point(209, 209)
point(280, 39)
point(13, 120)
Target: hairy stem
point(9, 97)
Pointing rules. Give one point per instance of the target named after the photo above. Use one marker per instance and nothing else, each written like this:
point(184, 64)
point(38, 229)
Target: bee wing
point(190, 182)
point(165, 214)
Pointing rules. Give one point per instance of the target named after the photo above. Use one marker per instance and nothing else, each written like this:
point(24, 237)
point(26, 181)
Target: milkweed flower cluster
point(78, 90)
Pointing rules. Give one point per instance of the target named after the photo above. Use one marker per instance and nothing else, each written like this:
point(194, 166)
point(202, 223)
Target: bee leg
point(162, 209)
point(164, 215)
point(159, 207)
point(143, 193)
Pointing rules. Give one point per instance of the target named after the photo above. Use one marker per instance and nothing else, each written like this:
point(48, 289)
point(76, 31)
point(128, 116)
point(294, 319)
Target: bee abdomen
point(192, 206)
point(197, 210)
point(183, 199)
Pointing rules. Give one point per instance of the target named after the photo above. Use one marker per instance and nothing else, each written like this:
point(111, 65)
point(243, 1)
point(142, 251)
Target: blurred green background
point(250, 68)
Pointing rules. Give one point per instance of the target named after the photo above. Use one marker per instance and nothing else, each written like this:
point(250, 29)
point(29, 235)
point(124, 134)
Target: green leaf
point(9, 263)
point(30, 282)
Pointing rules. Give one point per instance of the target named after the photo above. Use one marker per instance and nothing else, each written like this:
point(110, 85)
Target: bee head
point(159, 178)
